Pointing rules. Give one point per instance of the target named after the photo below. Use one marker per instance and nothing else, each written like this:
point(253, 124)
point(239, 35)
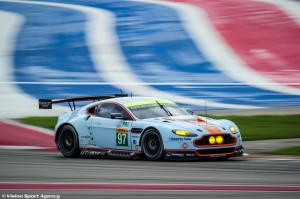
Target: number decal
point(122, 137)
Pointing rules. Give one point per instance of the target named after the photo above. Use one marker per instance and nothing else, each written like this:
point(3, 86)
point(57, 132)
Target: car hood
point(194, 123)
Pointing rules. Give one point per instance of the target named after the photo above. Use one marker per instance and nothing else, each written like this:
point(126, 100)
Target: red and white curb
point(19, 136)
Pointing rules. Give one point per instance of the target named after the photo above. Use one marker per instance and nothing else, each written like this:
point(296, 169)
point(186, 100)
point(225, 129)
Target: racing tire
point(152, 145)
point(68, 142)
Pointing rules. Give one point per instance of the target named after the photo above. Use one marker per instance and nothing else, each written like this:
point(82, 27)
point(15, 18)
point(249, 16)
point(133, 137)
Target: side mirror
point(87, 117)
point(116, 116)
point(190, 111)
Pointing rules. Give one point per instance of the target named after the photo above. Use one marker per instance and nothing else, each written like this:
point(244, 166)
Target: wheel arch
point(62, 126)
point(146, 129)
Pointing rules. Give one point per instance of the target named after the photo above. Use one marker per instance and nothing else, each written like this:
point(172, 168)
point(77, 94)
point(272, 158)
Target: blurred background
point(235, 57)
point(230, 54)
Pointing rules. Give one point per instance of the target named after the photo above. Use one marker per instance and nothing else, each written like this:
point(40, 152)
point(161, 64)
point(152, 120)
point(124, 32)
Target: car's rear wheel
point(152, 145)
point(68, 142)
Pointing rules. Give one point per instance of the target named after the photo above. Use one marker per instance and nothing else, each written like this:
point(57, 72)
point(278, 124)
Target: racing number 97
point(122, 137)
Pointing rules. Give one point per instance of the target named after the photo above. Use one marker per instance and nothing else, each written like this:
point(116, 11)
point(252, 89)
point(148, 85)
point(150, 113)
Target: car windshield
point(155, 110)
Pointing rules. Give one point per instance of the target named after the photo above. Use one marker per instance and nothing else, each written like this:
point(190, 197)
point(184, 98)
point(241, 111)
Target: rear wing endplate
point(47, 103)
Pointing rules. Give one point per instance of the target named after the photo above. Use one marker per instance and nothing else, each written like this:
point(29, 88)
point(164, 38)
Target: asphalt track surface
point(244, 177)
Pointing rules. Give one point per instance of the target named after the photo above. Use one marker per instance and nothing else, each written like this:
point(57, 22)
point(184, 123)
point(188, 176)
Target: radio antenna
point(205, 113)
point(131, 94)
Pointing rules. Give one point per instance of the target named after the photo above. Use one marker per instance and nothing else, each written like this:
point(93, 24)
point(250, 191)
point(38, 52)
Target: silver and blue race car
point(122, 126)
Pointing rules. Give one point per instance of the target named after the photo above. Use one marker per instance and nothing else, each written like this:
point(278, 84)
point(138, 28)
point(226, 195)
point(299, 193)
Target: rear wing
point(47, 103)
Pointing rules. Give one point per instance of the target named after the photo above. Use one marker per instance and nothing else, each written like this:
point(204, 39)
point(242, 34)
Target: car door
point(108, 132)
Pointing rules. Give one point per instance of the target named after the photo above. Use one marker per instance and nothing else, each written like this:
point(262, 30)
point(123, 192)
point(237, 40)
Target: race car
point(121, 126)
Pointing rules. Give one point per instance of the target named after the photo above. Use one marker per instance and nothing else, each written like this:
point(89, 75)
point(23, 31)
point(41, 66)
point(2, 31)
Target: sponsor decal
point(45, 104)
point(136, 147)
point(90, 136)
point(88, 142)
point(134, 141)
point(187, 138)
point(217, 155)
point(185, 145)
point(125, 124)
point(84, 142)
point(122, 137)
point(122, 130)
point(85, 137)
point(190, 154)
point(175, 139)
point(91, 152)
point(147, 103)
point(92, 143)
point(179, 155)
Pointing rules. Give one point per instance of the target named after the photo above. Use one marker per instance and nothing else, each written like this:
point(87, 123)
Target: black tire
point(68, 142)
point(152, 145)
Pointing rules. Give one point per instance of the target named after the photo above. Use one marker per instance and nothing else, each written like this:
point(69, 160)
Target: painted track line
point(107, 61)
point(290, 7)
point(214, 41)
point(111, 59)
point(144, 187)
point(25, 147)
point(14, 103)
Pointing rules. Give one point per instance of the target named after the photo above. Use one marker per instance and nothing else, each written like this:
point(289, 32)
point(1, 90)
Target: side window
point(91, 110)
point(105, 110)
point(119, 109)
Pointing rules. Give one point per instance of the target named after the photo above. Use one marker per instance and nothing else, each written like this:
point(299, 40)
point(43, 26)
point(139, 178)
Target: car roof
point(125, 100)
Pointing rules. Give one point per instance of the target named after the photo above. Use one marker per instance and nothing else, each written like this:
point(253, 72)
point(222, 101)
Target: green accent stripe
point(146, 102)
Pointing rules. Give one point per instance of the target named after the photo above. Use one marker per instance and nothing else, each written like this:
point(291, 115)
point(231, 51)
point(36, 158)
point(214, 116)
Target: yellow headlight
point(182, 132)
point(212, 140)
point(219, 139)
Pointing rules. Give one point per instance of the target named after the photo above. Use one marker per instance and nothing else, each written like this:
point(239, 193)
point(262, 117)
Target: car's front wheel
point(68, 142)
point(152, 145)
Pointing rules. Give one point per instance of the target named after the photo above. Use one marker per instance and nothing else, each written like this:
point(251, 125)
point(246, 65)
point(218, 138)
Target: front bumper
point(220, 152)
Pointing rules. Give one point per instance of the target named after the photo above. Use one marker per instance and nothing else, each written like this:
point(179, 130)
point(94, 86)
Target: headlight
point(216, 139)
point(212, 140)
point(219, 139)
point(233, 129)
point(184, 133)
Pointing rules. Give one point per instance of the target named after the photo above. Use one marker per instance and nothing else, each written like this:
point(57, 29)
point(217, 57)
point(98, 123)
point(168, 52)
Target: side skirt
point(107, 152)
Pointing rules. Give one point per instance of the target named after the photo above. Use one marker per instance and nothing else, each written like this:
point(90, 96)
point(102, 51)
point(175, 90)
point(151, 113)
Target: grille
point(215, 151)
point(228, 140)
